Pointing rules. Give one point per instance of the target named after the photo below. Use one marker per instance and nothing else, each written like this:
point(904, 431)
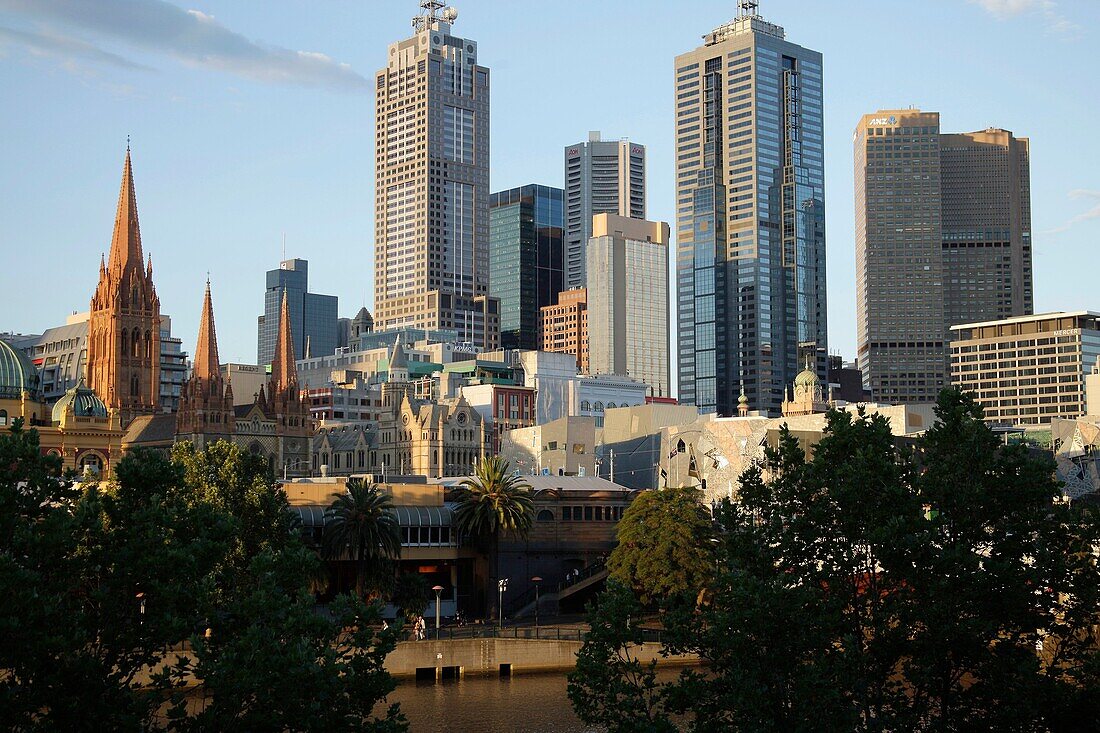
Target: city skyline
point(220, 178)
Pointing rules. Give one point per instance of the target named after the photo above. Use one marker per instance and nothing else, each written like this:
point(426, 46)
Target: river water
point(522, 704)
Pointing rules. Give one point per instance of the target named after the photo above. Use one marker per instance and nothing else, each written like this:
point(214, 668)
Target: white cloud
point(69, 51)
point(190, 36)
point(1089, 215)
point(1045, 9)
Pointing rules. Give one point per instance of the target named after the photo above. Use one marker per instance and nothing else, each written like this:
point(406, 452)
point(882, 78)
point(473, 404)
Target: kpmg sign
point(891, 120)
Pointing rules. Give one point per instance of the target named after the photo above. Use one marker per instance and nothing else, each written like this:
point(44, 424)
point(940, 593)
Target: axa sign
point(891, 120)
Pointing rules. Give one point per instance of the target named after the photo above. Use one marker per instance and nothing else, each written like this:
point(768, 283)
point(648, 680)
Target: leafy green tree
point(878, 588)
point(362, 526)
point(610, 688)
point(493, 502)
point(410, 595)
point(664, 545)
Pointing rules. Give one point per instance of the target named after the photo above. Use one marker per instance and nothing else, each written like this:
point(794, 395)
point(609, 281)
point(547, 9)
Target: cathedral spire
point(206, 366)
point(283, 371)
point(126, 241)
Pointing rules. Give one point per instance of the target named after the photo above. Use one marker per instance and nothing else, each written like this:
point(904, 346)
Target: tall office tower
point(313, 319)
point(985, 181)
point(564, 327)
point(750, 225)
point(526, 256)
point(432, 184)
point(601, 177)
point(943, 237)
point(628, 300)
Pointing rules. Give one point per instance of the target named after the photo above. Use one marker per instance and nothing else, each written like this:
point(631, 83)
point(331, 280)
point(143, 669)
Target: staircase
point(591, 576)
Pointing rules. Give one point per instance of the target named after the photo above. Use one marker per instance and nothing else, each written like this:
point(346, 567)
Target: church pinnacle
point(126, 241)
point(283, 369)
point(206, 365)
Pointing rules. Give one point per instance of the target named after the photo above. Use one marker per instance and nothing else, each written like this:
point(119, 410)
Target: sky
point(252, 120)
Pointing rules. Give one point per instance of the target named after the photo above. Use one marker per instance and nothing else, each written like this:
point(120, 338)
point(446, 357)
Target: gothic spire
point(126, 241)
point(206, 366)
point(283, 371)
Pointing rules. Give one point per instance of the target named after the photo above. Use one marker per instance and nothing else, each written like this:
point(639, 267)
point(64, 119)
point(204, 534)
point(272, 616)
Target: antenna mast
point(430, 11)
point(747, 8)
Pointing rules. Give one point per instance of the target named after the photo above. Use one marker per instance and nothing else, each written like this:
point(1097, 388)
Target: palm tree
point(493, 502)
point(361, 525)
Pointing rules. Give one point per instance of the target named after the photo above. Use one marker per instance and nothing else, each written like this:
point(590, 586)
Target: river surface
point(525, 703)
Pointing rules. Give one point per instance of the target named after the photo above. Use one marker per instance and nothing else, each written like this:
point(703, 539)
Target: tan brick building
point(565, 326)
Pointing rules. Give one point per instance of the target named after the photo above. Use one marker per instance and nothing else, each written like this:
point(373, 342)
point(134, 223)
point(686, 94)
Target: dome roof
point(84, 402)
point(807, 378)
point(17, 373)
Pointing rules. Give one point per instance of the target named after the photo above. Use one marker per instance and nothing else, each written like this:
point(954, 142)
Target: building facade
point(750, 228)
point(628, 330)
point(313, 317)
point(432, 184)
point(526, 258)
point(1030, 369)
point(943, 237)
point(124, 319)
point(564, 327)
point(601, 177)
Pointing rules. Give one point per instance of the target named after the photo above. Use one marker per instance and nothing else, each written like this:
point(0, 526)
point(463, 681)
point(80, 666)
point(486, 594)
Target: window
point(545, 515)
point(3, 417)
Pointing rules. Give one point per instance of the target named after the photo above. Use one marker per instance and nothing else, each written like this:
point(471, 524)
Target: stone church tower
point(123, 366)
point(206, 403)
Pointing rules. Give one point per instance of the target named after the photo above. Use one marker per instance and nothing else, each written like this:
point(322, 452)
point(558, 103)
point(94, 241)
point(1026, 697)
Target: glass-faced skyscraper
point(313, 318)
point(432, 184)
point(750, 225)
point(526, 258)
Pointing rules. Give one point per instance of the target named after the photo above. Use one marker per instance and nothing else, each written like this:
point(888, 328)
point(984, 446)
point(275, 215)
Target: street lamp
point(141, 608)
point(502, 585)
point(438, 589)
point(536, 580)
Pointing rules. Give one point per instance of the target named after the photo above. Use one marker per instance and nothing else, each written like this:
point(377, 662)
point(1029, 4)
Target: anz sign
point(891, 120)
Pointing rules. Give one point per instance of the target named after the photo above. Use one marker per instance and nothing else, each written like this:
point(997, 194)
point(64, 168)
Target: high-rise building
point(1027, 370)
point(432, 184)
point(564, 327)
point(943, 237)
point(601, 177)
point(628, 300)
point(124, 322)
point(313, 317)
point(750, 225)
point(526, 258)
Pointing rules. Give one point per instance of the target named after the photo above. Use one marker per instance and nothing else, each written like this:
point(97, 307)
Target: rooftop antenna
point(747, 8)
point(432, 11)
point(284, 247)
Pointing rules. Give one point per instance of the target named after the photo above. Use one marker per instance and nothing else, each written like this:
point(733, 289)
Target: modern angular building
point(943, 237)
point(1027, 370)
point(628, 300)
point(601, 177)
point(432, 184)
point(750, 226)
point(526, 258)
point(313, 318)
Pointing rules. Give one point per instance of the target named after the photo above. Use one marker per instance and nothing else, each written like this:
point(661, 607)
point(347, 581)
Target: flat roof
point(1025, 319)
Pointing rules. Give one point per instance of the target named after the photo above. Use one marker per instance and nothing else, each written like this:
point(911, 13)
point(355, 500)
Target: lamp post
point(141, 609)
point(438, 589)
point(502, 585)
point(536, 580)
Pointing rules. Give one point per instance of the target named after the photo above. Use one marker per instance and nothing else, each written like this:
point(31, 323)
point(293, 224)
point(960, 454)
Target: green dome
point(17, 373)
point(84, 403)
point(807, 378)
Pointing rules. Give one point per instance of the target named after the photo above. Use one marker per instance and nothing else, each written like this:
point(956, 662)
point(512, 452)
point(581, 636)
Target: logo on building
point(572, 151)
point(636, 150)
point(891, 120)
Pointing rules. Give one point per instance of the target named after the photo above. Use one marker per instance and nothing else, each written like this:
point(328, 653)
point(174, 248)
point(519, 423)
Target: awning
point(407, 516)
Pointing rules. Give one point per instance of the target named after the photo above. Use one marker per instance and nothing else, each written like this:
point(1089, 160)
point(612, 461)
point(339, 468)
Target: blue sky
point(254, 118)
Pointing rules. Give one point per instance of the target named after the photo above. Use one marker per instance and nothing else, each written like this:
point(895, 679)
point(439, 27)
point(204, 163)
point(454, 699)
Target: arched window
point(3, 417)
point(148, 345)
point(125, 343)
point(135, 385)
point(91, 463)
point(681, 447)
point(135, 346)
point(586, 405)
point(545, 515)
point(610, 405)
point(598, 407)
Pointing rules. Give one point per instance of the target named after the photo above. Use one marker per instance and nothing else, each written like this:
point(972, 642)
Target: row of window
point(587, 513)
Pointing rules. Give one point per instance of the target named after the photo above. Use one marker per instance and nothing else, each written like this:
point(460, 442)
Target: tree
point(362, 526)
point(410, 595)
point(874, 587)
point(664, 545)
point(495, 501)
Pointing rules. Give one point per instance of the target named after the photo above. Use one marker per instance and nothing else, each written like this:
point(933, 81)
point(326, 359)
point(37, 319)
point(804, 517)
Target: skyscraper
point(601, 177)
point(432, 184)
point(628, 300)
point(526, 257)
point(943, 237)
point(313, 317)
point(750, 227)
